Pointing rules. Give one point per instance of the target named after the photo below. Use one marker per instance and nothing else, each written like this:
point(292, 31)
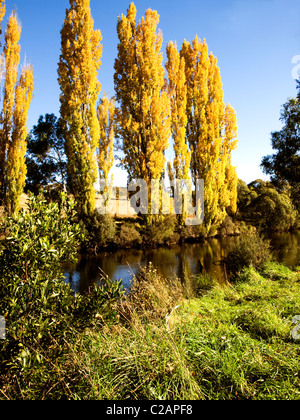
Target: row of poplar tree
point(152, 102)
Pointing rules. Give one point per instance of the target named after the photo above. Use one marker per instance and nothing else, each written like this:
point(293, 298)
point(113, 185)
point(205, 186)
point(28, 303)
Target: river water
point(172, 261)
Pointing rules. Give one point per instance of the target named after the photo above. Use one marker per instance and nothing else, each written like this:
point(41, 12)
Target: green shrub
point(39, 239)
point(162, 231)
point(42, 314)
point(129, 236)
point(266, 207)
point(250, 250)
point(99, 230)
point(196, 232)
point(244, 229)
point(227, 227)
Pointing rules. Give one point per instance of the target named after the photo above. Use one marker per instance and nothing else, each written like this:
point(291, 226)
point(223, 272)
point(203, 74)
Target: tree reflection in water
point(173, 261)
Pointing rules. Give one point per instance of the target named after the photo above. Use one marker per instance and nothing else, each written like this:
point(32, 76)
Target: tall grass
point(233, 342)
point(252, 249)
point(143, 356)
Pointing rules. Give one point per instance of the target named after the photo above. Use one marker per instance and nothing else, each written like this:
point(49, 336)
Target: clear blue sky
point(254, 41)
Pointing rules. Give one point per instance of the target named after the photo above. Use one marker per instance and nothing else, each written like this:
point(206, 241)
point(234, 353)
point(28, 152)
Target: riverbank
point(230, 342)
point(172, 260)
point(179, 341)
point(166, 338)
point(105, 233)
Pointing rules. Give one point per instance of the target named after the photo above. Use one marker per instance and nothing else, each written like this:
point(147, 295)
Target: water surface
point(172, 261)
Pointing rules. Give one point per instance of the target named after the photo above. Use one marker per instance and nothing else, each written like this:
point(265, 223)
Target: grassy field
point(231, 342)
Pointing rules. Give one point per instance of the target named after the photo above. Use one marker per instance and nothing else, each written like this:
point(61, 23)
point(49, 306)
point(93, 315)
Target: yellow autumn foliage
point(16, 167)
point(80, 60)
point(144, 114)
point(177, 90)
point(211, 132)
point(105, 150)
point(16, 102)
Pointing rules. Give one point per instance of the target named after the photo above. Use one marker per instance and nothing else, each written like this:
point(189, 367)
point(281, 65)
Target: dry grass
point(152, 296)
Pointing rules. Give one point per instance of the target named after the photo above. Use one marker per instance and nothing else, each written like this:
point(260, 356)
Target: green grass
point(239, 338)
point(172, 341)
point(233, 342)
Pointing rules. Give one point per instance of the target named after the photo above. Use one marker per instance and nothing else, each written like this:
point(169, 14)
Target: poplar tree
point(144, 113)
point(80, 60)
point(215, 109)
point(2, 14)
point(229, 144)
point(211, 132)
point(200, 132)
point(16, 166)
point(16, 101)
point(105, 151)
point(177, 90)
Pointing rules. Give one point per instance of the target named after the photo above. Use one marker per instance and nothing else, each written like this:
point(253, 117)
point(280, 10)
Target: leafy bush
point(266, 207)
point(251, 250)
point(227, 227)
point(129, 236)
point(198, 232)
point(39, 239)
point(43, 316)
point(162, 231)
point(99, 230)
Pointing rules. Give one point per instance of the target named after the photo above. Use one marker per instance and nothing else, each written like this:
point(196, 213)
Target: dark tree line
point(45, 157)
